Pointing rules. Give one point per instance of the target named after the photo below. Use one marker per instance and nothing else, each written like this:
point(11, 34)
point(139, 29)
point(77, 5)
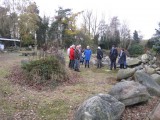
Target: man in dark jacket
point(113, 56)
point(77, 59)
point(99, 57)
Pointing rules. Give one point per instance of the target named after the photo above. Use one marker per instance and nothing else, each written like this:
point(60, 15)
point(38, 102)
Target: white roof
point(5, 39)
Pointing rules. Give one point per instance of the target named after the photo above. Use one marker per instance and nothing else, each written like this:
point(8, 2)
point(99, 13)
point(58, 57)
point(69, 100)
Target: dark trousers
point(87, 63)
point(99, 63)
point(113, 64)
point(121, 66)
point(76, 64)
point(69, 64)
point(72, 64)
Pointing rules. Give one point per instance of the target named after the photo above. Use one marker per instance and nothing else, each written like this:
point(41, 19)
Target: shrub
point(136, 49)
point(154, 43)
point(44, 70)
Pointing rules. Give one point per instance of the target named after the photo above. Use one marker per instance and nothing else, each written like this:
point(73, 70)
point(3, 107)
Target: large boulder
point(158, 69)
point(146, 80)
point(139, 67)
point(125, 73)
point(129, 92)
point(154, 66)
point(93, 61)
point(106, 61)
point(100, 107)
point(151, 62)
point(155, 114)
point(150, 55)
point(145, 58)
point(133, 62)
point(149, 70)
point(156, 77)
point(158, 72)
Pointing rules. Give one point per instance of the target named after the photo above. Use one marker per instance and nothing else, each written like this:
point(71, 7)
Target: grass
point(22, 102)
point(56, 109)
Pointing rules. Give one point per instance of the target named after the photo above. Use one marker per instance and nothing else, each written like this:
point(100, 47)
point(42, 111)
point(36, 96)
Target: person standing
point(82, 57)
point(122, 59)
point(68, 53)
point(77, 59)
point(71, 56)
point(99, 57)
point(113, 56)
point(87, 54)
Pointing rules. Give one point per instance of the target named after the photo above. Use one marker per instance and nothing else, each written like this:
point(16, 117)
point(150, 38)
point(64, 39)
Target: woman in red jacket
point(71, 56)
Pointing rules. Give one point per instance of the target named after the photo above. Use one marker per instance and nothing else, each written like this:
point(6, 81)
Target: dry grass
point(24, 103)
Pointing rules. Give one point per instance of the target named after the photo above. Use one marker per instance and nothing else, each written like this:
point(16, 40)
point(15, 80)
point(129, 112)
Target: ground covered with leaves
point(27, 101)
point(140, 111)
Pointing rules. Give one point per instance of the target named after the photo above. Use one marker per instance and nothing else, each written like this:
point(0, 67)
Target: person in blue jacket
point(87, 54)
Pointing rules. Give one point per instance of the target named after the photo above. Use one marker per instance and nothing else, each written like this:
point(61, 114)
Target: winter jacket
point(77, 54)
point(122, 58)
point(71, 54)
point(99, 54)
point(87, 54)
point(113, 54)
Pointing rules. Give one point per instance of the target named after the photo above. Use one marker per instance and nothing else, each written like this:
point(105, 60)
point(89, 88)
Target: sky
point(140, 15)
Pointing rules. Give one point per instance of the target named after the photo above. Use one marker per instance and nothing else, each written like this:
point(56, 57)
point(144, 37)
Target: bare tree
point(94, 25)
point(125, 37)
point(87, 18)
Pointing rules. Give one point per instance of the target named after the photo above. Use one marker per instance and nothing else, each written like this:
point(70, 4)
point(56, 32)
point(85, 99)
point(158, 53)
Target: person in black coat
point(122, 59)
point(99, 57)
point(113, 56)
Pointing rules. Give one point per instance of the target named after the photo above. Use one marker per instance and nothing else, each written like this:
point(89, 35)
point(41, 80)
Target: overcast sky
point(140, 15)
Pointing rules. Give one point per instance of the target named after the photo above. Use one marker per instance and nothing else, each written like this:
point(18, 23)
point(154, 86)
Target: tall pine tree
point(136, 37)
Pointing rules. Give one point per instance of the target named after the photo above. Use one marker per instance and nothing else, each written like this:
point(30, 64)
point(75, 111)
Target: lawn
point(24, 103)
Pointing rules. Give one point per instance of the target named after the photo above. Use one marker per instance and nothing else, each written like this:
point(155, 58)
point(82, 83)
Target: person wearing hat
point(99, 57)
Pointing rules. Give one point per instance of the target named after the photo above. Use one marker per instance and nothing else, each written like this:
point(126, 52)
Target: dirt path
point(23, 103)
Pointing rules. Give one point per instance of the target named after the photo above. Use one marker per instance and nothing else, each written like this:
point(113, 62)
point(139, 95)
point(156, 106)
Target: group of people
point(78, 55)
point(121, 58)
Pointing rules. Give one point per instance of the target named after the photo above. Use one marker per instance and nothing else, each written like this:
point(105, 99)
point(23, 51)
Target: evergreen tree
point(136, 37)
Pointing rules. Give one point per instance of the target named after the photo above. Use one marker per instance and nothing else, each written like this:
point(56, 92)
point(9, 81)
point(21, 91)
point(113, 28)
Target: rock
point(151, 54)
point(153, 66)
point(149, 70)
point(145, 58)
point(140, 67)
point(156, 78)
point(106, 61)
point(154, 59)
point(125, 73)
point(151, 62)
point(100, 107)
point(93, 61)
point(133, 62)
point(155, 114)
point(129, 92)
point(158, 69)
point(146, 80)
point(158, 72)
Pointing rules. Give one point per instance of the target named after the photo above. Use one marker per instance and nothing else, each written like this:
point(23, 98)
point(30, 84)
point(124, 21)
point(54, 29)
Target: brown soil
point(140, 111)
